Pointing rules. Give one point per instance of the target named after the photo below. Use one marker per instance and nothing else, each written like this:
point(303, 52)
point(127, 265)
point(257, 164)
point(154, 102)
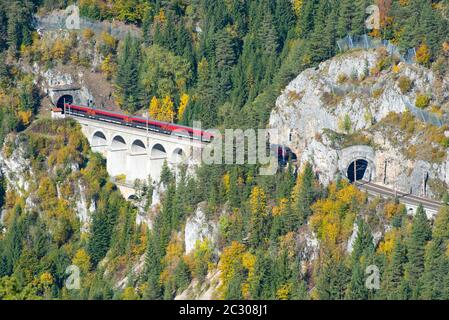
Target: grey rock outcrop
point(349, 95)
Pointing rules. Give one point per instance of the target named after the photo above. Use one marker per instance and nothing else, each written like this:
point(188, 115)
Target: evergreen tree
point(362, 256)
point(332, 280)
point(307, 17)
point(345, 12)
point(306, 193)
point(153, 268)
point(103, 223)
point(128, 73)
point(359, 17)
point(322, 39)
point(284, 18)
point(392, 284)
point(3, 30)
point(436, 265)
point(420, 234)
point(12, 247)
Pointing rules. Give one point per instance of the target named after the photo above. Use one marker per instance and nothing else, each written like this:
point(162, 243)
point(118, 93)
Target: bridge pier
point(137, 167)
point(116, 162)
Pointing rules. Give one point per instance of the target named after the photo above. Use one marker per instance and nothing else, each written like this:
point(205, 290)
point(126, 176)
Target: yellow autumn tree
point(25, 117)
point(387, 244)
point(154, 108)
point(257, 200)
point(59, 49)
point(46, 279)
point(167, 110)
point(423, 54)
point(171, 259)
point(227, 182)
point(297, 6)
point(283, 293)
point(108, 40)
point(236, 259)
point(258, 218)
point(184, 101)
point(129, 294)
point(333, 217)
point(160, 17)
point(249, 263)
point(162, 110)
point(281, 208)
point(82, 260)
point(88, 34)
point(108, 67)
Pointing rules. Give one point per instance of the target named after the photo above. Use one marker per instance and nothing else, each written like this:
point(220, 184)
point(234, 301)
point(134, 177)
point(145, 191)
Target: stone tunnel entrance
point(356, 170)
point(67, 98)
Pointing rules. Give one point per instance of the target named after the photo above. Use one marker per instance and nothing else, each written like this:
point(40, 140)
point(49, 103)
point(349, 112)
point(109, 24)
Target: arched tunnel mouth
point(356, 170)
point(67, 98)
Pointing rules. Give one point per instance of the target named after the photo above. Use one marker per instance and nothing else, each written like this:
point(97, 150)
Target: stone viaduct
point(134, 153)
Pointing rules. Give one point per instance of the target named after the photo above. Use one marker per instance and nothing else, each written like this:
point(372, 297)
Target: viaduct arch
point(137, 154)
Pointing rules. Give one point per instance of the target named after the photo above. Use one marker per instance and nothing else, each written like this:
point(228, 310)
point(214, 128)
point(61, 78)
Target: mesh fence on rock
point(366, 42)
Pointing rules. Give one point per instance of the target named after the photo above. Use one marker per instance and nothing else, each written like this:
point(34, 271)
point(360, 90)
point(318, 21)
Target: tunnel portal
point(356, 170)
point(64, 99)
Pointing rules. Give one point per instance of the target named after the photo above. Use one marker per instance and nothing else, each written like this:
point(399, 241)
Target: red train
point(137, 122)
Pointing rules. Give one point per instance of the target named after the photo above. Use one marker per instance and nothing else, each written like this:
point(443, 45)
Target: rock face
point(17, 171)
point(337, 113)
point(84, 82)
point(198, 228)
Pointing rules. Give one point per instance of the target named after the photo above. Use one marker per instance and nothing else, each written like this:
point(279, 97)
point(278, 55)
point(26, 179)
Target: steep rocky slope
point(369, 98)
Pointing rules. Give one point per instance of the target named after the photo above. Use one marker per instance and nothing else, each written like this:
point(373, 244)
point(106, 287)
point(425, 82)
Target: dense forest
point(224, 63)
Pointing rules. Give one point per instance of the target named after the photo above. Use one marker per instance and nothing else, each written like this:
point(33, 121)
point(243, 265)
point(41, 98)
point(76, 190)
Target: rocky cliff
point(369, 105)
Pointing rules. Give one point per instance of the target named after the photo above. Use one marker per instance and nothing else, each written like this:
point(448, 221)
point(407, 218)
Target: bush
point(422, 101)
point(404, 84)
point(88, 34)
point(377, 93)
point(342, 78)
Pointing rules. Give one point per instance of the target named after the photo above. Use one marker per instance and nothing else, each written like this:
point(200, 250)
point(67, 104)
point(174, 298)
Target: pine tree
point(436, 265)
point(100, 240)
point(128, 73)
point(322, 39)
point(304, 193)
point(3, 30)
point(356, 288)
point(12, 248)
point(307, 17)
point(332, 280)
point(153, 268)
point(103, 224)
point(420, 234)
point(225, 56)
point(284, 18)
point(359, 17)
point(362, 256)
point(345, 12)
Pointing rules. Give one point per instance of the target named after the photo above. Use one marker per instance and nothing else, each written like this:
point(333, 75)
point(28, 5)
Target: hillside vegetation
point(222, 62)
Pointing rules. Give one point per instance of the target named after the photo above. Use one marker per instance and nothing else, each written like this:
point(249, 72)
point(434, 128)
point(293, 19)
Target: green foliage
point(232, 58)
point(420, 234)
point(405, 84)
point(127, 74)
point(35, 269)
point(163, 74)
point(422, 101)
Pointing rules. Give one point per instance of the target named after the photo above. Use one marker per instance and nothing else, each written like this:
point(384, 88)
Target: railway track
point(405, 198)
